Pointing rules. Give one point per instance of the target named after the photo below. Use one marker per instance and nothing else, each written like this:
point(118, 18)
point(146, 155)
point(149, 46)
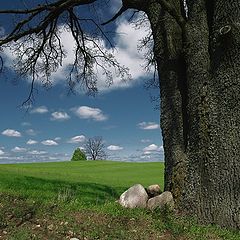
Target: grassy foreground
point(77, 199)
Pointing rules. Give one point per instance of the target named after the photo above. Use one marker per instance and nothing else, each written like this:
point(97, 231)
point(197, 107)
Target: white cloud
point(161, 148)
point(31, 132)
point(125, 51)
point(77, 139)
point(11, 133)
point(31, 142)
point(148, 125)
point(145, 140)
point(60, 116)
point(151, 147)
point(86, 112)
point(36, 152)
point(146, 157)
point(2, 152)
point(147, 153)
point(114, 148)
point(40, 110)
point(49, 142)
point(57, 138)
point(25, 124)
point(19, 150)
point(152, 152)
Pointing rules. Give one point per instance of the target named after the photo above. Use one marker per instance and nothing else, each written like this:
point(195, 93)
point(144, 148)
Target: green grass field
point(77, 199)
point(88, 181)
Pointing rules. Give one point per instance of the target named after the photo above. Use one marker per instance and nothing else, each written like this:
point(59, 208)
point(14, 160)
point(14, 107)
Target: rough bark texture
point(212, 186)
point(224, 115)
point(171, 67)
point(199, 72)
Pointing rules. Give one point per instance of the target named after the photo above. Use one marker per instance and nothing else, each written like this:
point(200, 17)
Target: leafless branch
point(95, 148)
point(36, 43)
point(118, 14)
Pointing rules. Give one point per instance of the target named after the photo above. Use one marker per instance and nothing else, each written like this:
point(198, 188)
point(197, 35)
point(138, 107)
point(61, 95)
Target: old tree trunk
point(198, 59)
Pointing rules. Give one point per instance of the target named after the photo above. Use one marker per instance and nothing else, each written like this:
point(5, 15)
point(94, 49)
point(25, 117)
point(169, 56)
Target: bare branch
point(1, 64)
point(49, 7)
point(36, 43)
point(95, 148)
point(118, 14)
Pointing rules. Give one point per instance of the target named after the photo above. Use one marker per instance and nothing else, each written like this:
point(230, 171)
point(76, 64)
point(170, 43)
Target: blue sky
point(57, 123)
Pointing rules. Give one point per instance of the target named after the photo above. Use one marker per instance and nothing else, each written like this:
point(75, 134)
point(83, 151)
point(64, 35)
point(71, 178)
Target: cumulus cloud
point(36, 152)
point(40, 110)
point(127, 54)
point(19, 150)
point(125, 51)
point(161, 148)
point(147, 153)
point(11, 133)
point(151, 147)
point(49, 143)
point(31, 132)
point(146, 157)
point(77, 139)
point(86, 112)
point(2, 152)
point(145, 140)
point(152, 153)
point(60, 116)
point(31, 142)
point(25, 124)
point(114, 148)
point(148, 125)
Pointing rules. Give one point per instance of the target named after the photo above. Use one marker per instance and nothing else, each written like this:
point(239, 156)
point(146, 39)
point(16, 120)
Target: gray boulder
point(162, 200)
point(153, 190)
point(135, 196)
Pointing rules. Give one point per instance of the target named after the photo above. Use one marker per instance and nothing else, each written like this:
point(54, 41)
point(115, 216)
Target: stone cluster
point(151, 197)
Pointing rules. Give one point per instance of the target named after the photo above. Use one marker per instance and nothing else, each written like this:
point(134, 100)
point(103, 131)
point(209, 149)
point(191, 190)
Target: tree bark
point(199, 70)
point(168, 46)
point(213, 179)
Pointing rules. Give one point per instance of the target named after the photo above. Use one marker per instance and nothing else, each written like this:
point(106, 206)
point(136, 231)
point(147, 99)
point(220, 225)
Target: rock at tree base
point(135, 196)
point(153, 190)
point(165, 199)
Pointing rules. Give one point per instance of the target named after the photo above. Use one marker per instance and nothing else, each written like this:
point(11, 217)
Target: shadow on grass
point(58, 190)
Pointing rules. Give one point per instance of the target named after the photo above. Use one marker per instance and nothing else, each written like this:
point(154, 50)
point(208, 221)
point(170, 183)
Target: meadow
point(77, 199)
point(88, 182)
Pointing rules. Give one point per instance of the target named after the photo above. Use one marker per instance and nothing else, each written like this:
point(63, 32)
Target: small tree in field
point(78, 155)
point(95, 148)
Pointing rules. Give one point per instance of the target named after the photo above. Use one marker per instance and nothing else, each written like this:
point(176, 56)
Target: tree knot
point(225, 29)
